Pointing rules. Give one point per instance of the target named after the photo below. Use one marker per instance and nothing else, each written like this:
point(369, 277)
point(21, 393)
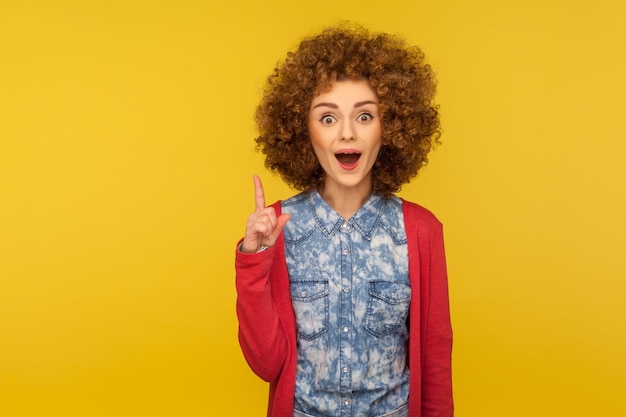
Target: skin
point(343, 119)
point(263, 227)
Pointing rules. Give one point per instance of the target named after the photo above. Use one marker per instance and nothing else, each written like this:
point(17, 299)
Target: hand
point(263, 226)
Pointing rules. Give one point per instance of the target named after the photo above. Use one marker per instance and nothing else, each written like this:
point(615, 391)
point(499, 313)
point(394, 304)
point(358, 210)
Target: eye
point(327, 119)
point(364, 117)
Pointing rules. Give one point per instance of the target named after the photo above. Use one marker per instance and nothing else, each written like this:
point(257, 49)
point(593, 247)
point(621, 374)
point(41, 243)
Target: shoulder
point(296, 201)
point(419, 217)
point(302, 221)
point(292, 204)
point(391, 218)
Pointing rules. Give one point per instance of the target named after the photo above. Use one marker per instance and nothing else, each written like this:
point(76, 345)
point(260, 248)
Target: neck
point(346, 201)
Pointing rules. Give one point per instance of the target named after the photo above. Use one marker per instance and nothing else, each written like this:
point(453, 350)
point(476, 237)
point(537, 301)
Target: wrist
point(260, 249)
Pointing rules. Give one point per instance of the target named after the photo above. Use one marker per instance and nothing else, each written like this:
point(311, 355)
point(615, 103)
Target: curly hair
point(403, 82)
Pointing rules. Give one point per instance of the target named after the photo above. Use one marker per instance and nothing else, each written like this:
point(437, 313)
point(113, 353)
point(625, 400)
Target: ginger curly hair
point(404, 83)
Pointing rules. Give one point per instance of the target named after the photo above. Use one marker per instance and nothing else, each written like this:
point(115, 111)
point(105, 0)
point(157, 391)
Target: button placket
point(346, 336)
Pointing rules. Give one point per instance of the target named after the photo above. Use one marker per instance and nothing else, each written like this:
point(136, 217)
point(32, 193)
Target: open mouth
point(348, 159)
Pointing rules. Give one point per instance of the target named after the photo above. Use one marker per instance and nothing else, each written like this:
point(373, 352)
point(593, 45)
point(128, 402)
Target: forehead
point(346, 90)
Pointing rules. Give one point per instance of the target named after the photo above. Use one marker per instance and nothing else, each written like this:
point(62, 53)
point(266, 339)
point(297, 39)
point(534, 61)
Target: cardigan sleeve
point(437, 332)
point(430, 329)
point(261, 335)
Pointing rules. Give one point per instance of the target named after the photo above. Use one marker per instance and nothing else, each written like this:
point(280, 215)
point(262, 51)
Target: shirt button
point(346, 251)
point(345, 369)
point(345, 329)
point(346, 290)
point(346, 402)
point(394, 295)
point(303, 294)
point(345, 226)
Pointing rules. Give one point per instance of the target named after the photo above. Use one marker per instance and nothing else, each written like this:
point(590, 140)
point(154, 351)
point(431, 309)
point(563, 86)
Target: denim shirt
point(350, 291)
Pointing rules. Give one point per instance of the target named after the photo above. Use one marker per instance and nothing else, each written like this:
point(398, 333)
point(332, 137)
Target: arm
point(261, 334)
point(437, 338)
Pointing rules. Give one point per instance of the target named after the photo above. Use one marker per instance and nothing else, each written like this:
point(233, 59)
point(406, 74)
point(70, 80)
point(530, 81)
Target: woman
point(342, 289)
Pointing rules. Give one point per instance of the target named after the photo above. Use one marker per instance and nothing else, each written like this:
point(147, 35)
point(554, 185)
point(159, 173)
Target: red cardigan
point(267, 324)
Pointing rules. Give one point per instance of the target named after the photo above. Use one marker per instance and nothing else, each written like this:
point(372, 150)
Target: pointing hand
point(263, 226)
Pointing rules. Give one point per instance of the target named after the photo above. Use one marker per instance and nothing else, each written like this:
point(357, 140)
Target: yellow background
point(126, 156)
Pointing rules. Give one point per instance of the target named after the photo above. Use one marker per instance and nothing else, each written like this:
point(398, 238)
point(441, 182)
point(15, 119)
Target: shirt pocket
point(310, 303)
point(388, 307)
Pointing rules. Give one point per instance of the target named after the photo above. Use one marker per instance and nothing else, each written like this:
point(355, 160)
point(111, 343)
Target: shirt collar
point(329, 221)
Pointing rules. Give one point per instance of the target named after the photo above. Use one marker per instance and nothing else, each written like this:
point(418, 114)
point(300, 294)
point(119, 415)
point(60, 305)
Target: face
point(345, 130)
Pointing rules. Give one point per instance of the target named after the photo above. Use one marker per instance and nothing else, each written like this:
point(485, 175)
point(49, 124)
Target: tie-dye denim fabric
point(350, 290)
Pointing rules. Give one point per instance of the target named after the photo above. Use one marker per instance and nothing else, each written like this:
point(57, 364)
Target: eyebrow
point(334, 106)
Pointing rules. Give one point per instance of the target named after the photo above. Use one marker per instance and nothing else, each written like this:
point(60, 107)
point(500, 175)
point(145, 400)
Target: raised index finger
point(259, 195)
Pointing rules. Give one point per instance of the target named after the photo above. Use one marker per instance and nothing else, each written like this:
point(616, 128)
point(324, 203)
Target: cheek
point(318, 150)
point(376, 137)
point(319, 139)
point(315, 141)
point(321, 157)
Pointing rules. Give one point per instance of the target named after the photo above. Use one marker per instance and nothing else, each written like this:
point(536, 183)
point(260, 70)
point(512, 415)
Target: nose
point(347, 130)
